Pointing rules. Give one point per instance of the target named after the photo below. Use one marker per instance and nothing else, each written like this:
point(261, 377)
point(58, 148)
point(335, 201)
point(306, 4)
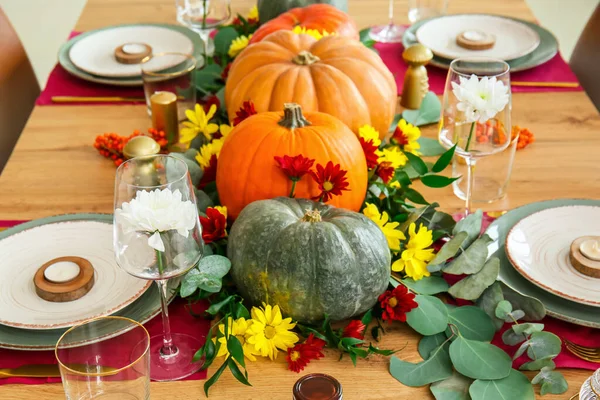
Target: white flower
point(480, 99)
point(156, 212)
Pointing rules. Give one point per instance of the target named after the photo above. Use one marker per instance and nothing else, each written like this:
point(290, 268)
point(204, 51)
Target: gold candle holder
point(164, 115)
point(416, 81)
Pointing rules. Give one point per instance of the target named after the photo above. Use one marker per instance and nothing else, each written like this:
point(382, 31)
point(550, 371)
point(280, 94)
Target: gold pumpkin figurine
point(416, 82)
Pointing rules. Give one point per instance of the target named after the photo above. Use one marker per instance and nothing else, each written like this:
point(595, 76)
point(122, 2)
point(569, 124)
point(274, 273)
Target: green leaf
point(430, 317)
point(521, 350)
point(479, 360)
point(552, 382)
point(352, 357)
point(444, 160)
point(430, 147)
point(217, 266)
point(207, 276)
point(470, 224)
point(235, 371)
point(193, 167)
point(240, 311)
point(429, 343)
point(536, 365)
point(211, 381)
point(415, 197)
point(366, 319)
point(348, 342)
point(203, 200)
point(394, 123)
point(221, 96)
point(208, 78)
point(216, 307)
point(488, 302)
point(223, 40)
point(472, 287)
point(503, 309)
point(449, 249)
point(543, 344)
point(436, 368)
point(377, 350)
point(510, 338)
point(437, 181)
point(417, 163)
point(402, 178)
point(472, 259)
point(428, 113)
point(427, 285)
point(454, 388)
point(473, 323)
point(527, 328)
point(235, 349)
point(514, 386)
point(533, 308)
point(364, 34)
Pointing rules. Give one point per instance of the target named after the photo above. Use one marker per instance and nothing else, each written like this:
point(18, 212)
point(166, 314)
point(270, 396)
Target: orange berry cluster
point(110, 145)
point(490, 131)
point(525, 136)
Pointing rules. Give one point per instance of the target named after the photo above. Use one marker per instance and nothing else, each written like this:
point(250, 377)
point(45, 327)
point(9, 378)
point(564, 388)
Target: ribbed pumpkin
point(309, 258)
point(269, 9)
point(247, 171)
point(335, 75)
point(322, 17)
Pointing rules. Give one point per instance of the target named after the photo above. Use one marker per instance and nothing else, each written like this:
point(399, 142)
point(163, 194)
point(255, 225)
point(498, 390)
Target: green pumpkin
point(309, 258)
point(269, 9)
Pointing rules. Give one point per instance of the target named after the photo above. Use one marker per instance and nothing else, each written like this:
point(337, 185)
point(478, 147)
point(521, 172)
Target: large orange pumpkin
point(322, 17)
point(247, 171)
point(335, 75)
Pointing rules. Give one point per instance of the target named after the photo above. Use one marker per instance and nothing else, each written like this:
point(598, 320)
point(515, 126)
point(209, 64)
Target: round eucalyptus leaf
point(473, 286)
point(503, 309)
point(471, 225)
point(435, 368)
point(472, 259)
point(427, 285)
point(543, 344)
point(473, 323)
point(479, 360)
point(488, 302)
point(537, 365)
point(514, 386)
point(429, 343)
point(430, 317)
point(454, 388)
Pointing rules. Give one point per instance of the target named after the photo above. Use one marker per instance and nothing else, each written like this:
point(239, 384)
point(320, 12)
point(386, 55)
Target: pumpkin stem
point(292, 116)
point(305, 58)
point(312, 216)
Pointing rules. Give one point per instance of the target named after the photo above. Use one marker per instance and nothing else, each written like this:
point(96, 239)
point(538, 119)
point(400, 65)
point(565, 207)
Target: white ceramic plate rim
point(445, 52)
point(513, 260)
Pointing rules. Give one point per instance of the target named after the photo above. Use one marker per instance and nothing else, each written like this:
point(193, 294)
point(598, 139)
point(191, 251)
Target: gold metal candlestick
point(416, 82)
point(164, 115)
point(140, 146)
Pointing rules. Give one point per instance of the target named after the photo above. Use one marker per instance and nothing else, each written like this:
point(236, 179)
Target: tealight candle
point(590, 248)
point(134, 48)
point(62, 271)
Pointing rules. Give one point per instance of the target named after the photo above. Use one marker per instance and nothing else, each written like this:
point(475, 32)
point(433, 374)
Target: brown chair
point(18, 88)
point(585, 60)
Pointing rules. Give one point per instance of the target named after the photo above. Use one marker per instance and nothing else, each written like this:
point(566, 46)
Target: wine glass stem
point(391, 12)
point(470, 183)
point(168, 349)
point(204, 37)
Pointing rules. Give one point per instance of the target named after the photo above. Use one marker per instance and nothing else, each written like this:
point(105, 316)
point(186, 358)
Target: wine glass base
point(387, 33)
point(177, 366)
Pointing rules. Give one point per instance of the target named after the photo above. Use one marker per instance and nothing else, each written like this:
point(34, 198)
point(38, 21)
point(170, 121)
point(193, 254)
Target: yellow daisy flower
point(311, 32)
point(253, 13)
point(222, 210)
point(270, 332)
point(198, 122)
point(406, 136)
point(392, 235)
point(238, 328)
point(225, 129)
point(392, 155)
point(207, 151)
point(395, 185)
point(367, 132)
point(238, 44)
point(416, 255)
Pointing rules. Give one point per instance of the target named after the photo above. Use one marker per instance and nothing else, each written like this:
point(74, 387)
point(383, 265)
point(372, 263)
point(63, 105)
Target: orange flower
point(331, 179)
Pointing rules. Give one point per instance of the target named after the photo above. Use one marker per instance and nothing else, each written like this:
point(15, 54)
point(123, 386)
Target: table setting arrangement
point(276, 199)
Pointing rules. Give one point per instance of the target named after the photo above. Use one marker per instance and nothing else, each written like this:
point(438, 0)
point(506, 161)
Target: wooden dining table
point(54, 169)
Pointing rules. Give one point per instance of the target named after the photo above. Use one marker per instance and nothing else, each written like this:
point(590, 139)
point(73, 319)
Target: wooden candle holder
point(475, 40)
point(580, 262)
point(65, 291)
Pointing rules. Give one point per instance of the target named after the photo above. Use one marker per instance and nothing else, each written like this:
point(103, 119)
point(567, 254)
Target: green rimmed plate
point(65, 61)
point(555, 306)
point(142, 310)
point(547, 48)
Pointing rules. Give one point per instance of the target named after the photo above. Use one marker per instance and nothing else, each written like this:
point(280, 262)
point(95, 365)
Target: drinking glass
point(157, 236)
point(202, 16)
point(390, 33)
point(477, 95)
point(170, 72)
point(422, 9)
point(93, 366)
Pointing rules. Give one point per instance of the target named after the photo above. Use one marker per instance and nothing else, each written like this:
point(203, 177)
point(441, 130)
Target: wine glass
point(390, 33)
point(157, 236)
point(476, 112)
point(203, 16)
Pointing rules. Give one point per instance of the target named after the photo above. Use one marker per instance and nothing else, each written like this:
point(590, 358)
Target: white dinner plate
point(25, 252)
point(513, 39)
point(538, 247)
point(94, 53)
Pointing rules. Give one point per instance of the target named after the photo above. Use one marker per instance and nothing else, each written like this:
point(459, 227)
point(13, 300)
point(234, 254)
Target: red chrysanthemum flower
point(385, 171)
point(210, 173)
point(213, 225)
point(225, 72)
point(246, 110)
point(208, 101)
point(236, 22)
point(331, 179)
point(295, 167)
point(301, 354)
point(252, 21)
point(369, 149)
point(396, 303)
point(400, 137)
point(355, 329)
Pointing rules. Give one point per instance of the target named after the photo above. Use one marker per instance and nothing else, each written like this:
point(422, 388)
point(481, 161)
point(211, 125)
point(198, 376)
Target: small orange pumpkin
point(335, 75)
point(247, 171)
point(321, 17)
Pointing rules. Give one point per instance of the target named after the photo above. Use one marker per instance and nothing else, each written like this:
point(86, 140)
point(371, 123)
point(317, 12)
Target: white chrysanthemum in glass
point(156, 212)
point(480, 99)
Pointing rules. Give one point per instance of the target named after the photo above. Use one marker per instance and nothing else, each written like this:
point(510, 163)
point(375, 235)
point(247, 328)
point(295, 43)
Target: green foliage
point(473, 286)
point(429, 343)
point(488, 302)
point(430, 147)
point(533, 308)
point(435, 368)
point(455, 387)
point(193, 167)
point(428, 285)
point(208, 79)
point(444, 160)
point(437, 181)
point(223, 40)
point(472, 323)
point(428, 113)
point(472, 259)
point(479, 360)
point(514, 386)
point(471, 225)
point(551, 381)
point(430, 317)
point(449, 249)
point(206, 276)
